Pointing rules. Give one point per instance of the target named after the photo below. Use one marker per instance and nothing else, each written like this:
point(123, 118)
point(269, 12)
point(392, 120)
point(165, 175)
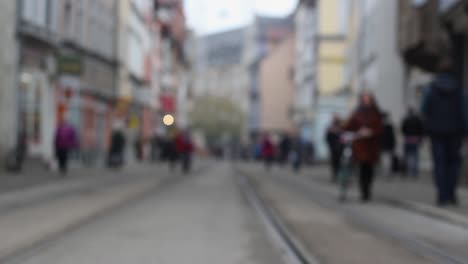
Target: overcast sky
point(209, 16)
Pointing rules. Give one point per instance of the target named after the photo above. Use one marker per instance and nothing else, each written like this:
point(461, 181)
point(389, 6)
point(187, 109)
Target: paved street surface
point(202, 219)
point(146, 214)
point(358, 233)
point(406, 193)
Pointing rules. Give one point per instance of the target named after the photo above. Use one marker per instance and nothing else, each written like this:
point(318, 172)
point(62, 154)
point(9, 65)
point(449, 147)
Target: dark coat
point(412, 126)
point(367, 149)
point(443, 108)
point(117, 142)
point(388, 138)
point(333, 140)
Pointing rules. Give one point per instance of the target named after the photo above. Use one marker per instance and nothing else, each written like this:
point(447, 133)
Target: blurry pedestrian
point(444, 116)
point(412, 128)
point(366, 122)
point(115, 157)
point(156, 147)
point(268, 151)
point(138, 147)
point(297, 150)
point(171, 150)
point(335, 147)
point(65, 141)
point(309, 152)
point(284, 148)
point(388, 141)
point(184, 147)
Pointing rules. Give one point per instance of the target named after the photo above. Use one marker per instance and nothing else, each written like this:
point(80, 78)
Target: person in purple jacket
point(65, 141)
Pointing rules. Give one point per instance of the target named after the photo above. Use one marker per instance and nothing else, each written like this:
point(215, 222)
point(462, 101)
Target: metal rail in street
point(293, 251)
point(26, 252)
point(415, 245)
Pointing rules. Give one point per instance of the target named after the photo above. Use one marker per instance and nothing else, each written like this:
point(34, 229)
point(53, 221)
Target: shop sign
point(70, 64)
point(134, 122)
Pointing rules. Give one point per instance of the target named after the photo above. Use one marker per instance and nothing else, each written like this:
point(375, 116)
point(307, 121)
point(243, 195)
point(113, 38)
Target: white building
point(220, 70)
point(135, 45)
point(306, 23)
point(379, 66)
point(39, 31)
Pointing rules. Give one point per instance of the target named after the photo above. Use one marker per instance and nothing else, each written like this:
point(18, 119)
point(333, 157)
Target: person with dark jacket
point(115, 157)
point(297, 151)
point(285, 148)
point(443, 111)
point(388, 142)
point(412, 128)
point(366, 122)
point(335, 147)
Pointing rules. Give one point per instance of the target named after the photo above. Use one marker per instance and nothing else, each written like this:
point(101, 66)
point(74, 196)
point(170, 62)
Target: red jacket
point(183, 144)
point(368, 149)
point(267, 149)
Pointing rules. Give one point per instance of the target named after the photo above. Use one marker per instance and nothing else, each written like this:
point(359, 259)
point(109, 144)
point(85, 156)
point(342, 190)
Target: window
point(68, 18)
point(53, 15)
point(35, 12)
point(343, 16)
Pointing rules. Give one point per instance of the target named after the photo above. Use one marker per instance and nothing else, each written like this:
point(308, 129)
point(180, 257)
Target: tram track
point(414, 244)
point(293, 250)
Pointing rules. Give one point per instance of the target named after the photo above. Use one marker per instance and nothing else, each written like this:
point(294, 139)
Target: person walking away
point(138, 147)
point(285, 148)
point(366, 122)
point(267, 151)
point(65, 141)
point(388, 141)
point(412, 128)
point(334, 146)
point(117, 147)
point(171, 150)
point(297, 150)
point(444, 119)
point(184, 148)
point(155, 147)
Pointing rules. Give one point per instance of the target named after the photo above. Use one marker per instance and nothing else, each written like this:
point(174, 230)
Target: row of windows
point(91, 23)
point(41, 13)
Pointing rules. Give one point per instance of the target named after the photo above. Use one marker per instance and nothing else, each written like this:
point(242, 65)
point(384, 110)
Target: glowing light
point(168, 120)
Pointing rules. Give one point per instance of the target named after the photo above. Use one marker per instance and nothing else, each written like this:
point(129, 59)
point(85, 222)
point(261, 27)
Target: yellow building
point(332, 45)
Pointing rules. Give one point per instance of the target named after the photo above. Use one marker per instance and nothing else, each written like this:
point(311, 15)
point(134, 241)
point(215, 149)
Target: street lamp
point(168, 120)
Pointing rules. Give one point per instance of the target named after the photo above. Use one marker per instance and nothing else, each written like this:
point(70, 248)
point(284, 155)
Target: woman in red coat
point(366, 122)
point(268, 151)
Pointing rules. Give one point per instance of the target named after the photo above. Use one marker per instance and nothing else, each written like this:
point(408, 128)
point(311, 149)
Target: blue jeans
point(446, 153)
point(412, 159)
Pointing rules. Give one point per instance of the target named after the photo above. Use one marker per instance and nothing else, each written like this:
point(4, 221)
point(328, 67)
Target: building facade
point(331, 68)
point(174, 68)
point(262, 36)
point(305, 70)
point(87, 72)
point(277, 88)
point(39, 38)
point(8, 80)
point(381, 67)
point(220, 70)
